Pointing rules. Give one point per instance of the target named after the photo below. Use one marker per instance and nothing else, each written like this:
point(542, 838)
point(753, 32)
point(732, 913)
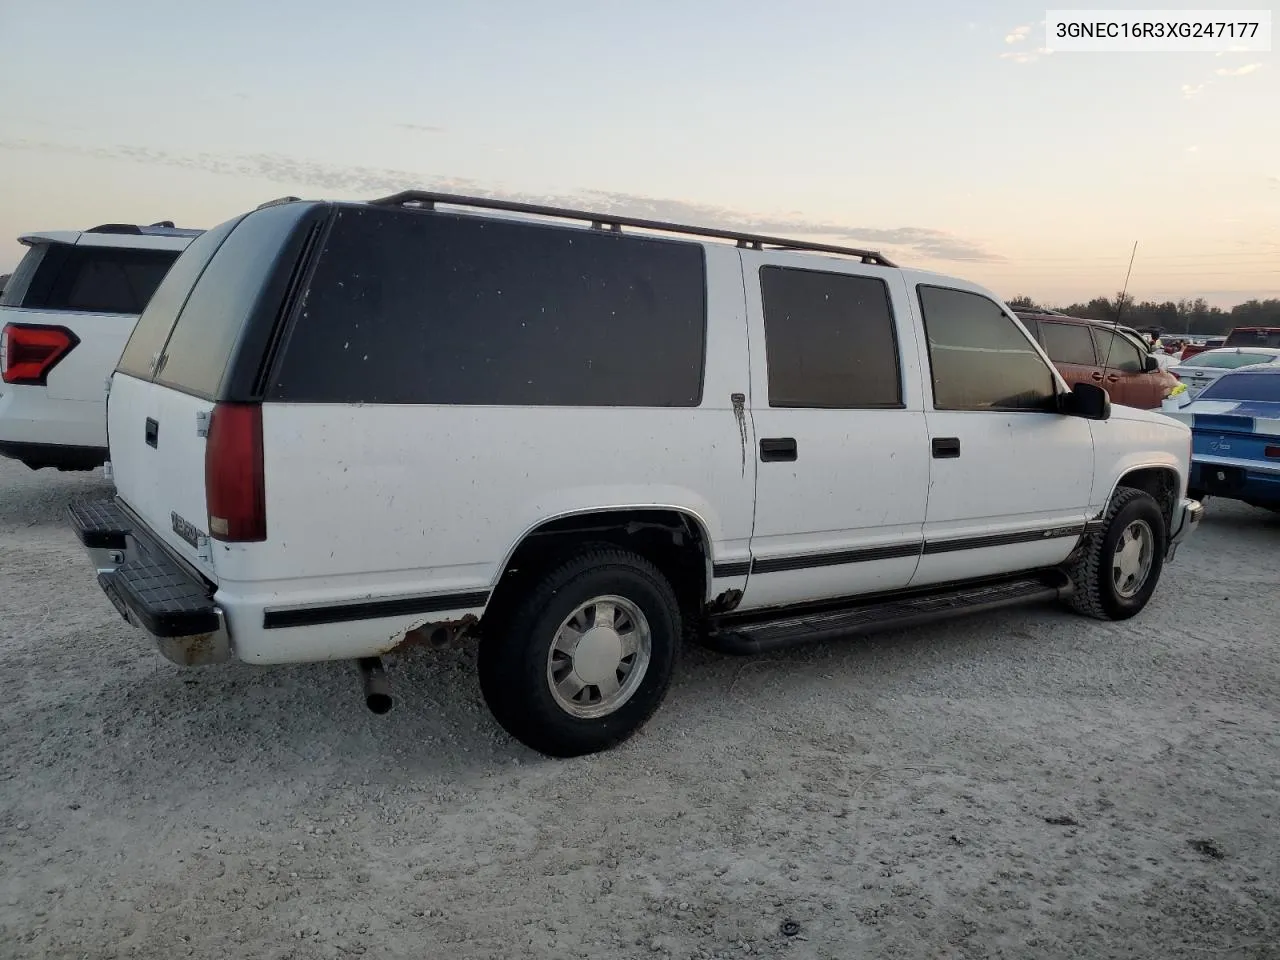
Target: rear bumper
point(1186, 517)
point(151, 589)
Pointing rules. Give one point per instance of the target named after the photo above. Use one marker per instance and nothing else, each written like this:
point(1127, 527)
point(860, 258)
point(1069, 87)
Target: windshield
point(1244, 386)
point(1228, 361)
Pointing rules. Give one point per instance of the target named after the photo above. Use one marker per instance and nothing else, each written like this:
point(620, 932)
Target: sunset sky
point(933, 131)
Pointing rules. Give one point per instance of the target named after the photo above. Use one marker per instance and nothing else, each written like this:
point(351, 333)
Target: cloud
point(1026, 56)
point(1247, 69)
point(1017, 34)
point(419, 128)
point(1192, 149)
point(1190, 91)
point(923, 242)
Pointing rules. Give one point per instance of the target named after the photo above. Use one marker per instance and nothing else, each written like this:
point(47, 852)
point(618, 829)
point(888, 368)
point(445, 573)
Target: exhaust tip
point(377, 689)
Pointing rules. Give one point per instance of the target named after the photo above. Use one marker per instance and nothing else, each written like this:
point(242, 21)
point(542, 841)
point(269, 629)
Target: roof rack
point(276, 202)
point(161, 228)
point(614, 224)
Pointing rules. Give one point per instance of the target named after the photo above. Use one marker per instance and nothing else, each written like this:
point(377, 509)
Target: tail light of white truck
point(234, 476)
point(29, 352)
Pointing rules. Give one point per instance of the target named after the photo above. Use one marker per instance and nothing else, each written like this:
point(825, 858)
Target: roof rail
point(115, 228)
point(614, 223)
point(276, 202)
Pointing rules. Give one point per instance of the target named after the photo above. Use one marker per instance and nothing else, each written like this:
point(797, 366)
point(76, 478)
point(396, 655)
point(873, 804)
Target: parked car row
point(65, 315)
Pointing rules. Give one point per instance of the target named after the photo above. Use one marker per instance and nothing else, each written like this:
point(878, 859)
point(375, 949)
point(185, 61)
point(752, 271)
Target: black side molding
point(1003, 539)
point(371, 609)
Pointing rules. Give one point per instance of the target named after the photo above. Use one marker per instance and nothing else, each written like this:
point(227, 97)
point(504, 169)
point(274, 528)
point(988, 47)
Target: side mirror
point(1151, 364)
point(1087, 401)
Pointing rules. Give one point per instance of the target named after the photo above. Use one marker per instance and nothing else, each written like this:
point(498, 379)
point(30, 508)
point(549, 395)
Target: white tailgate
point(167, 479)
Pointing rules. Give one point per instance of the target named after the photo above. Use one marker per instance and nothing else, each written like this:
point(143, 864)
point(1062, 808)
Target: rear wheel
point(584, 658)
point(1118, 570)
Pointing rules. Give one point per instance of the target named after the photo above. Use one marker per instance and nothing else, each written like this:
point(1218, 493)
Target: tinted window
point(15, 288)
point(1253, 338)
point(1032, 325)
point(202, 341)
point(1068, 343)
point(97, 279)
point(415, 307)
point(980, 358)
point(829, 339)
point(152, 328)
point(1229, 360)
point(1244, 386)
point(1118, 352)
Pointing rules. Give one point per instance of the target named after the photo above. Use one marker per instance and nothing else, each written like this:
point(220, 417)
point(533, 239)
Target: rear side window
point(409, 307)
point(97, 279)
point(1067, 343)
point(829, 340)
point(223, 298)
point(152, 329)
point(979, 357)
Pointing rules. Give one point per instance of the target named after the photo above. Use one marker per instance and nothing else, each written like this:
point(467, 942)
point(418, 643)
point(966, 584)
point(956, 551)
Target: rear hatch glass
point(174, 367)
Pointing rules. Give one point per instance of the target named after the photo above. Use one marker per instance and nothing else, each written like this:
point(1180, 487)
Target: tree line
point(1184, 317)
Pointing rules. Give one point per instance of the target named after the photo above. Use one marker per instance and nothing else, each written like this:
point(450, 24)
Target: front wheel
point(582, 661)
point(1114, 577)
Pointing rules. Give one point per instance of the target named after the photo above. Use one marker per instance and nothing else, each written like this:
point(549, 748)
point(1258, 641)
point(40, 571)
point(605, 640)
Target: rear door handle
point(153, 432)
point(1097, 376)
point(773, 449)
point(946, 448)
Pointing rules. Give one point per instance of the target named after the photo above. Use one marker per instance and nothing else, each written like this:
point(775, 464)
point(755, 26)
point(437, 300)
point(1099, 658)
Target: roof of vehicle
point(1055, 315)
point(114, 234)
point(428, 200)
point(1255, 330)
point(1219, 351)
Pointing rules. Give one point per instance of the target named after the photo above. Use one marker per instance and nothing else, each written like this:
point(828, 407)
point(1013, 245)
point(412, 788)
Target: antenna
point(1115, 326)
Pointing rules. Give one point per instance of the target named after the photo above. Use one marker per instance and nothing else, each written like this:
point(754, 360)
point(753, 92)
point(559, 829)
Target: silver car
point(1199, 371)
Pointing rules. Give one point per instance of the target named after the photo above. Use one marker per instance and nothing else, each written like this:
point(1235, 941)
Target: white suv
point(65, 315)
point(343, 428)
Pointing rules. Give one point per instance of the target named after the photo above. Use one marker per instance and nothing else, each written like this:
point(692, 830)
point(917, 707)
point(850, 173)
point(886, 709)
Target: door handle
point(946, 448)
point(774, 449)
point(1113, 378)
point(153, 432)
point(1097, 377)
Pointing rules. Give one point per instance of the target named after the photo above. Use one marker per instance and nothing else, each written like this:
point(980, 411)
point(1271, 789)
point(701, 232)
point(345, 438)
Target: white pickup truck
point(343, 428)
point(65, 315)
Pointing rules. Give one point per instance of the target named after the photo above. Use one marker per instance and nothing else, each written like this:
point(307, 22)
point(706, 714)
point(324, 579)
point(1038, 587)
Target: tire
point(527, 678)
point(1093, 575)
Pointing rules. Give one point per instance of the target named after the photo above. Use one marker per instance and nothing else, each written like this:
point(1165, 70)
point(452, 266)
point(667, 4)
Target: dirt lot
point(1028, 784)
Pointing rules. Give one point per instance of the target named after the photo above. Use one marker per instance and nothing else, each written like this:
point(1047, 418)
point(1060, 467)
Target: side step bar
point(747, 637)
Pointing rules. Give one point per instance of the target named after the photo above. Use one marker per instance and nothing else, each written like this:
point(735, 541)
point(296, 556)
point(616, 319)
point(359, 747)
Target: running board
point(792, 629)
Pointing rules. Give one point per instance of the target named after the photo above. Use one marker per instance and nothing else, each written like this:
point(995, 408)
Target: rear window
point(223, 298)
point(152, 329)
point(415, 307)
point(90, 279)
point(15, 287)
point(1228, 361)
point(1254, 337)
point(1244, 386)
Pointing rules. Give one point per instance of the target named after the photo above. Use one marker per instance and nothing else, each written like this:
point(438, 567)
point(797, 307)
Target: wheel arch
point(1161, 480)
point(674, 538)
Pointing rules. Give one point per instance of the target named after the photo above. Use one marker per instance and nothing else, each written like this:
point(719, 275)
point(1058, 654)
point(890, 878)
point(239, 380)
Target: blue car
point(1235, 437)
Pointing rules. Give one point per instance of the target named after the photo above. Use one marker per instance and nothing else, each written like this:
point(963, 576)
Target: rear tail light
point(28, 353)
point(1272, 451)
point(234, 476)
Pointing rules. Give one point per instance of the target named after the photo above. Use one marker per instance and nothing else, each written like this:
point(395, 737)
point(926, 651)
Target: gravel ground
point(1027, 784)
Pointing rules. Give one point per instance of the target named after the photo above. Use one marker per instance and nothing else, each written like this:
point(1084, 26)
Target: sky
point(940, 133)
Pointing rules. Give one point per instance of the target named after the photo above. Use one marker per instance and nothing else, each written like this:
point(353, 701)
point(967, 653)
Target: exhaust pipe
point(377, 689)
